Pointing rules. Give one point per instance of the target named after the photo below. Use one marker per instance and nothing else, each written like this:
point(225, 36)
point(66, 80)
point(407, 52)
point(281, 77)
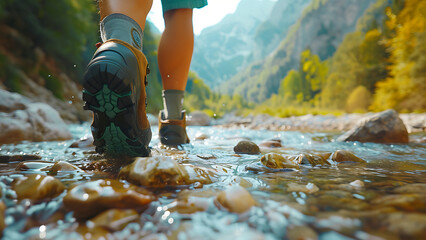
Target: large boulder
point(383, 127)
point(21, 119)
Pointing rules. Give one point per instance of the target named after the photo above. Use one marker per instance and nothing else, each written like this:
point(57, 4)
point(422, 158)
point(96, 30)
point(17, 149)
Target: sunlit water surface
point(336, 211)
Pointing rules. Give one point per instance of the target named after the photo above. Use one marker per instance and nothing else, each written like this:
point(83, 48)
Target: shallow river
point(384, 198)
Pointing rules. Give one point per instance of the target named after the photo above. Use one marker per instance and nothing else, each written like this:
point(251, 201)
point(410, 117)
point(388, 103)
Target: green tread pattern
point(116, 142)
point(108, 101)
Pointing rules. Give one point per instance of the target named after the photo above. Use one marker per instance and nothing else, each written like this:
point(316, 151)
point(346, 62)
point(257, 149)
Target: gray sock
point(173, 102)
point(120, 26)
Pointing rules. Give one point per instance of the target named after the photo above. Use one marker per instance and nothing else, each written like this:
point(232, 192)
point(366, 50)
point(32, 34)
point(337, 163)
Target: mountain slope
point(270, 33)
point(321, 28)
point(222, 50)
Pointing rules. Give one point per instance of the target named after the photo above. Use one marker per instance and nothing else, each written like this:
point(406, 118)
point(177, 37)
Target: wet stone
point(2, 217)
point(273, 143)
point(114, 219)
point(412, 225)
point(90, 198)
point(206, 156)
point(310, 159)
point(308, 188)
point(62, 166)
point(341, 156)
point(412, 188)
point(163, 171)
point(408, 202)
point(383, 127)
point(201, 137)
point(246, 147)
point(259, 167)
point(36, 165)
point(235, 199)
point(301, 233)
point(18, 158)
point(38, 187)
point(274, 160)
point(84, 142)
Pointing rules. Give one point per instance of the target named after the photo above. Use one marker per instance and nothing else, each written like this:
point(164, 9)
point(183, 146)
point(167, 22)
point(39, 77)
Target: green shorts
point(176, 4)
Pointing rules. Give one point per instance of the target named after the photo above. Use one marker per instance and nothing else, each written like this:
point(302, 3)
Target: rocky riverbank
point(414, 122)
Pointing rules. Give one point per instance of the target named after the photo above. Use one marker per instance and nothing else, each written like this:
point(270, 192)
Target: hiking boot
point(114, 89)
point(172, 132)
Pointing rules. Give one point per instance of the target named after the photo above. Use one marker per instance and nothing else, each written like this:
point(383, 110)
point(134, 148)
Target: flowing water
point(384, 198)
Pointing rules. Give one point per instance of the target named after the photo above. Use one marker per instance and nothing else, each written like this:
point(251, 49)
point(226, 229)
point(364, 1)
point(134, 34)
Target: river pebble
point(412, 188)
point(308, 188)
point(2, 224)
point(275, 160)
point(114, 219)
point(90, 198)
point(246, 147)
point(273, 143)
point(406, 224)
point(235, 199)
point(38, 187)
point(409, 202)
point(162, 171)
point(18, 158)
point(345, 156)
point(63, 166)
point(301, 232)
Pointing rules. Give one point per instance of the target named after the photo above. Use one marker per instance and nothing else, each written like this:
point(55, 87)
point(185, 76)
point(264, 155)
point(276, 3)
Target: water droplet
point(159, 209)
point(85, 196)
point(69, 102)
point(75, 66)
point(48, 75)
point(168, 76)
point(171, 220)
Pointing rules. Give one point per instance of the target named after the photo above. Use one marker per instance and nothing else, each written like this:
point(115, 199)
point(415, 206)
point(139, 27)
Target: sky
point(204, 17)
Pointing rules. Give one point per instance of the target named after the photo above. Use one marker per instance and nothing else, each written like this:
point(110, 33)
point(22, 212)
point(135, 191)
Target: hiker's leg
point(135, 9)
point(175, 49)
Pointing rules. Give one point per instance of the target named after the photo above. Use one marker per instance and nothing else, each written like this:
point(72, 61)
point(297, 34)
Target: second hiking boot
point(172, 132)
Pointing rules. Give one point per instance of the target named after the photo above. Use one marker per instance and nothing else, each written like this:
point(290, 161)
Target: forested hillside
point(44, 50)
point(321, 28)
point(380, 65)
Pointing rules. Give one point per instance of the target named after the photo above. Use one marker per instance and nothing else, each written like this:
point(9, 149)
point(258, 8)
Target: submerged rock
point(33, 165)
point(114, 219)
point(2, 224)
point(90, 198)
point(383, 127)
point(38, 187)
point(246, 147)
point(163, 171)
point(412, 188)
point(301, 233)
point(85, 142)
point(198, 118)
point(308, 188)
point(410, 225)
point(235, 199)
point(18, 158)
point(273, 143)
point(408, 202)
point(274, 160)
point(319, 159)
point(63, 166)
point(21, 119)
point(345, 156)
